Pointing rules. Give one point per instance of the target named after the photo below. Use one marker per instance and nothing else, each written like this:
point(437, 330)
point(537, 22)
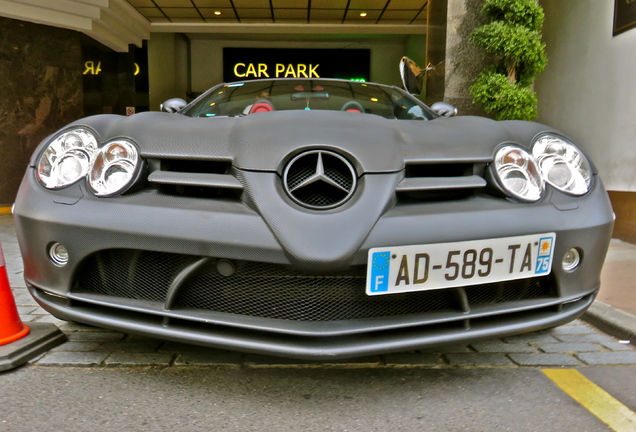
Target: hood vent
point(440, 181)
point(195, 178)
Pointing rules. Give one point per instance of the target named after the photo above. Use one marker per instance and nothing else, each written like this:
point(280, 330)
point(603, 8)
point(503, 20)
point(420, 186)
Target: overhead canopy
point(118, 23)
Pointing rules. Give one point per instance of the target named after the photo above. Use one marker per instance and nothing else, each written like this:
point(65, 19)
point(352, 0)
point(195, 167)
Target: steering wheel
point(352, 106)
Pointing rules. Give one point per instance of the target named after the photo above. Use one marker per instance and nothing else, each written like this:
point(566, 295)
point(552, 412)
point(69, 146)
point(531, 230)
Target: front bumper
point(201, 229)
point(319, 347)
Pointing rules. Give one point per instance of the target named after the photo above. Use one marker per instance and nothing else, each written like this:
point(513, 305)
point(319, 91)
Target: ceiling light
point(363, 14)
point(217, 12)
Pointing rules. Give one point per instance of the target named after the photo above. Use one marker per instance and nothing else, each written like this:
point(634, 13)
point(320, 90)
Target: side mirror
point(172, 105)
point(444, 109)
point(412, 76)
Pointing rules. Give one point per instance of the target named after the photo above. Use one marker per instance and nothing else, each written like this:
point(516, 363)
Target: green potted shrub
point(511, 37)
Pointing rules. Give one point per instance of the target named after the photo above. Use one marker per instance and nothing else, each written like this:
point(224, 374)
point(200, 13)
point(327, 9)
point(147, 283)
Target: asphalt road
point(288, 399)
point(110, 381)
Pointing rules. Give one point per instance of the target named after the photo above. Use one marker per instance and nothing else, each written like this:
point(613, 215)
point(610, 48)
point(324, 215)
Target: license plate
point(400, 269)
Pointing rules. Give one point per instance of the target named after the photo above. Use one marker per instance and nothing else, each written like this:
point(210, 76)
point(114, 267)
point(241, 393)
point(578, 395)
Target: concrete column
point(162, 69)
point(455, 59)
point(435, 50)
point(464, 60)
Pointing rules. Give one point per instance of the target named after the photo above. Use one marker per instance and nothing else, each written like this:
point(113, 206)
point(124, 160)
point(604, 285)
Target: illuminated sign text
point(92, 68)
point(241, 64)
point(260, 70)
point(95, 67)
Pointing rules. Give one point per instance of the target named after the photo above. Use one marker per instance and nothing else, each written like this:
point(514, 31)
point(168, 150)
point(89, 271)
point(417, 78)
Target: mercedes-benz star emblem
point(319, 179)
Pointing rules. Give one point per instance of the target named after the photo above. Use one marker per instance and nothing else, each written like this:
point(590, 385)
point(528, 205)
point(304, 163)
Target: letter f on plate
point(380, 265)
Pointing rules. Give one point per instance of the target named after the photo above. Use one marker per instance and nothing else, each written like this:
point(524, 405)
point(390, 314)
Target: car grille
point(275, 291)
point(425, 181)
point(195, 178)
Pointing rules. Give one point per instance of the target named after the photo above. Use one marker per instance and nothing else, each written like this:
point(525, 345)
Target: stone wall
point(40, 91)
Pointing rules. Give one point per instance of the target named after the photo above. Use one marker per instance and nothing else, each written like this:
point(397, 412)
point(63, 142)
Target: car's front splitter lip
point(318, 348)
point(337, 328)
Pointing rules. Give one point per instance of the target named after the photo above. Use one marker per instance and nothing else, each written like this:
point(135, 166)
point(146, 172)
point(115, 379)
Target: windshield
point(243, 98)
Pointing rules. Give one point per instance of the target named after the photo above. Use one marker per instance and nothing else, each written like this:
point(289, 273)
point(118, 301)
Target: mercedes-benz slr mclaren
point(313, 219)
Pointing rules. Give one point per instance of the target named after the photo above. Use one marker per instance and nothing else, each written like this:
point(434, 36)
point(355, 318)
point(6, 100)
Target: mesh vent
point(131, 274)
point(319, 195)
point(335, 168)
point(521, 289)
point(274, 291)
point(339, 172)
point(271, 291)
point(299, 173)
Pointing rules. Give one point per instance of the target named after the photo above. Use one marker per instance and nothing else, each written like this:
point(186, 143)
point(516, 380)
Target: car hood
point(260, 145)
point(264, 142)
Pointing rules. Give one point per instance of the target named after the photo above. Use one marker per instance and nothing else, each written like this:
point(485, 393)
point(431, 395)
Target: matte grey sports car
point(312, 219)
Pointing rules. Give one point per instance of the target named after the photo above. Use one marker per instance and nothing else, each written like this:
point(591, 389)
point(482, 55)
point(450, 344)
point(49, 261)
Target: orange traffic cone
point(20, 343)
point(11, 327)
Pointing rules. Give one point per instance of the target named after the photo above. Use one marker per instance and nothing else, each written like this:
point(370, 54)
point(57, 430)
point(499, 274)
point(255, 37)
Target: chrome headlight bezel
point(114, 169)
point(563, 165)
point(72, 148)
point(517, 174)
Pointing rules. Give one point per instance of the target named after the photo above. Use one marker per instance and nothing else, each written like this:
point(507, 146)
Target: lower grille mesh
point(274, 291)
point(131, 274)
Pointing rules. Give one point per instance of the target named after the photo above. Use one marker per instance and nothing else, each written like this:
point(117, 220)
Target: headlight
point(518, 174)
point(563, 165)
point(114, 168)
point(66, 159)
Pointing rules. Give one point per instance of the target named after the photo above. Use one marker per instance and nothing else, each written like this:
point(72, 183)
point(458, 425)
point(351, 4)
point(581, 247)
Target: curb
point(42, 338)
point(611, 320)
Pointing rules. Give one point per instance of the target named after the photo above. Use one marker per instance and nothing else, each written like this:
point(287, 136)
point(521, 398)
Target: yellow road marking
point(5, 210)
point(594, 399)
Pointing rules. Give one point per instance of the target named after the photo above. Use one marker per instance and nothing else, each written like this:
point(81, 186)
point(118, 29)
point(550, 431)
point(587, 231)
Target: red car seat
point(261, 106)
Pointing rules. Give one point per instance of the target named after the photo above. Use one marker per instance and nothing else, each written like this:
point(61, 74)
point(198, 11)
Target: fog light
point(571, 260)
point(58, 254)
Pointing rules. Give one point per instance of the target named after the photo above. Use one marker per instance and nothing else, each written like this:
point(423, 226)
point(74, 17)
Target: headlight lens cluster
point(66, 159)
point(522, 174)
point(114, 167)
point(75, 154)
point(563, 165)
point(518, 173)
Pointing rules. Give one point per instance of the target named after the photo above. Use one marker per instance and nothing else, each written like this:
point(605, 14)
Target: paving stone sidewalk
point(575, 344)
